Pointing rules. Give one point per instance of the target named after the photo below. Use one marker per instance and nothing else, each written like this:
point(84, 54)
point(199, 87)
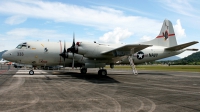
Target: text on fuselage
point(153, 54)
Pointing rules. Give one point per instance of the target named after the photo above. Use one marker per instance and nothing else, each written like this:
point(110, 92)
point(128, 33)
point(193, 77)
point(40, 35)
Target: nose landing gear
point(31, 72)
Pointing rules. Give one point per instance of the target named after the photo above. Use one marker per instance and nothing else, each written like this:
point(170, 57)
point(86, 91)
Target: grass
point(188, 68)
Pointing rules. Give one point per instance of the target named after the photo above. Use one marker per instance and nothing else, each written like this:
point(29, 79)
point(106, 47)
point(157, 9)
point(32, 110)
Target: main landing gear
point(102, 72)
point(83, 70)
point(31, 72)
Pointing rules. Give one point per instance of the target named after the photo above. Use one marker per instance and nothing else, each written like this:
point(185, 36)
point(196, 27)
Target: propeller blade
point(73, 46)
point(73, 41)
point(73, 62)
point(63, 54)
point(64, 47)
point(72, 49)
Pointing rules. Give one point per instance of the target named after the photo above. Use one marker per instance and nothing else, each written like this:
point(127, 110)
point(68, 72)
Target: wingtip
point(192, 49)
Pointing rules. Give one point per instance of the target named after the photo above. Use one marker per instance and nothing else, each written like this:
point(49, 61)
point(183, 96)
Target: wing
point(181, 46)
point(130, 47)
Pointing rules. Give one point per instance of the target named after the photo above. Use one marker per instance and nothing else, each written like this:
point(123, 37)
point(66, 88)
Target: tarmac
point(119, 91)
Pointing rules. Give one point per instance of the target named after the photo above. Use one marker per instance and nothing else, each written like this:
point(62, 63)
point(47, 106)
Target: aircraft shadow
point(90, 77)
point(154, 73)
point(141, 73)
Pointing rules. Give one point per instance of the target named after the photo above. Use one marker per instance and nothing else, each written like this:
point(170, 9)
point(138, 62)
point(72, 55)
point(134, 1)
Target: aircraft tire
point(102, 72)
point(99, 72)
point(83, 70)
point(31, 72)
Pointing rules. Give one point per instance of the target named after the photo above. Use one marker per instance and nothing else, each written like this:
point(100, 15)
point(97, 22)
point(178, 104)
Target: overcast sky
point(105, 21)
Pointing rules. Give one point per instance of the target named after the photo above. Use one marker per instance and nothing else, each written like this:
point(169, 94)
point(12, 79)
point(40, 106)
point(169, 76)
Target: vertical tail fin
point(166, 37)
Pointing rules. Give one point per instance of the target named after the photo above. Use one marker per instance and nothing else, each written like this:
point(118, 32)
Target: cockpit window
point(19, 47)
point(22, 46)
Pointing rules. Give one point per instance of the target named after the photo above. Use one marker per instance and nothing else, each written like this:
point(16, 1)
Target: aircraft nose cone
point(6, 55)
point(3, 56)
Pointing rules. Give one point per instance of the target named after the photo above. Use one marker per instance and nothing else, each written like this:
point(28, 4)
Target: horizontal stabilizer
point(181, 46)
point(136, 47)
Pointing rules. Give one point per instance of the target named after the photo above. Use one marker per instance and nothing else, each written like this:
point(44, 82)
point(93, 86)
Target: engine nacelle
point(85, 47)
point(76, 56)
point(94, 65)
point(82, 51)
point(91, 50)
point(69, 55)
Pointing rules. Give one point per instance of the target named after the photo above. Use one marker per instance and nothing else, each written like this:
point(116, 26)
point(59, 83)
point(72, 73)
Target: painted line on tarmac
point(27, 72)
point(37, 73)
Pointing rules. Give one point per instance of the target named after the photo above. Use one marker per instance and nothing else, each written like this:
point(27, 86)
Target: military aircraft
point(95, 55)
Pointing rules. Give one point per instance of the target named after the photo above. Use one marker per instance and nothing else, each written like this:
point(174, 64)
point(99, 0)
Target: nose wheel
point(31, 72)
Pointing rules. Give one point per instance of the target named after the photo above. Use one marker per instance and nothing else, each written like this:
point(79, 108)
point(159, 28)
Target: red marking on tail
point(163, 36)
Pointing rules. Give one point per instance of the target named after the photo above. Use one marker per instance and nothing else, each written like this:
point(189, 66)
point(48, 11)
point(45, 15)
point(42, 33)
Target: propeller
point(73, 49)
point(63, 54)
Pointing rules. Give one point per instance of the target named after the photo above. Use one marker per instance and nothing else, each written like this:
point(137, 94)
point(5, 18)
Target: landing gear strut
point(31, 72)
point(83, 70)
point(102, 72)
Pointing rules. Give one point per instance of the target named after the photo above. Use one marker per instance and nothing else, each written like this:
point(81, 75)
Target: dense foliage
point(193, 59)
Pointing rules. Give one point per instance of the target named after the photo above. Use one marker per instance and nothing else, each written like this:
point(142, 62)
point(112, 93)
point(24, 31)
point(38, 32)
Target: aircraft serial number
point(20, 54)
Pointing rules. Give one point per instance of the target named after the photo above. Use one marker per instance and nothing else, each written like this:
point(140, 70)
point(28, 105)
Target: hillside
point(172, 58)
point(191, 59)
